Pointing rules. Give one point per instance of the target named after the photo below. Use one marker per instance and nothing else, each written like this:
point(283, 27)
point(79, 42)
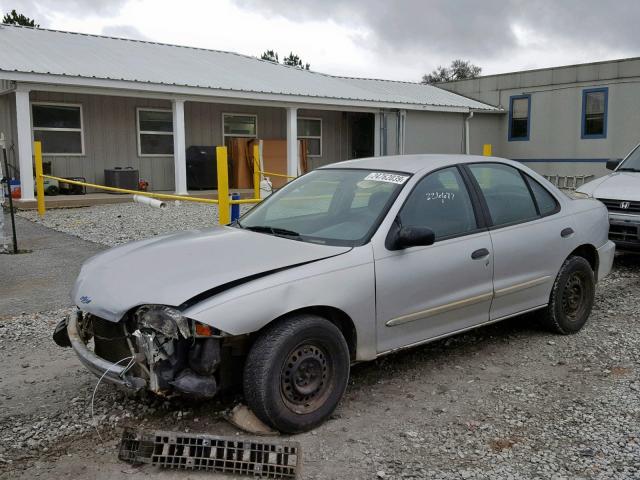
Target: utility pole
point(4, 245)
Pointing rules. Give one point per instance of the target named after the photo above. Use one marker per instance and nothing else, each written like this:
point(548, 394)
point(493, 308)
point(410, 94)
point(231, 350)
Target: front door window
point(440, 201)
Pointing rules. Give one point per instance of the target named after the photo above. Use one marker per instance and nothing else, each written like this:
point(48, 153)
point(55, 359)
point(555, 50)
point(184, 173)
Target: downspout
point(402, 118)
point(384, 132)
point(466, 133)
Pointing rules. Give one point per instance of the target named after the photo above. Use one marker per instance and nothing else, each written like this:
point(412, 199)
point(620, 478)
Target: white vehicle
point(620, 192)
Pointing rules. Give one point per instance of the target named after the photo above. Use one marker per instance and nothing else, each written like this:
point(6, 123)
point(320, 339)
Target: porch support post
point(25, 143)
point(402, 121)
point(179, 147)
point(377, 125)
point(292, 141)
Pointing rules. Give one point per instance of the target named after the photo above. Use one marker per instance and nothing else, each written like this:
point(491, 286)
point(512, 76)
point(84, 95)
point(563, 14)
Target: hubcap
point(574, 296)
point(305, 378)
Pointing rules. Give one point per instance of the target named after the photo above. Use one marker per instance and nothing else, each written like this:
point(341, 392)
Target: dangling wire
point(129, 365)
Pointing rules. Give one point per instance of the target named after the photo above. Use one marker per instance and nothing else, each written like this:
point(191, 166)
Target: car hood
point(616, 186)
point(174, 268)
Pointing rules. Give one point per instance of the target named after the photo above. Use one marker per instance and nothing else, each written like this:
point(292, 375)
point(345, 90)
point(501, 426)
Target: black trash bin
point(202, 169)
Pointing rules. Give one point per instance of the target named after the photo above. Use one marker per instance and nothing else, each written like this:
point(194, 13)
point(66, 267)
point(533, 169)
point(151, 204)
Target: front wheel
point(571, 297)
point(296, 373)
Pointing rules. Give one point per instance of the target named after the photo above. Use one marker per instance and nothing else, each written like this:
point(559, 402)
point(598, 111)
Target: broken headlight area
point(172, 354)
point(177, 356)
point(165, 320)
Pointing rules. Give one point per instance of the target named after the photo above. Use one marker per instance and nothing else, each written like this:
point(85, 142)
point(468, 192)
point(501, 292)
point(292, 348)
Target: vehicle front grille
point(616, 206)
point(109, 339)
point(211, 453)
point(624, 233)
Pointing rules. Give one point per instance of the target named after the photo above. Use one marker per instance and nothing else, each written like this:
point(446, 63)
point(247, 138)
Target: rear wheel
point(296, 373)
point(571, 297)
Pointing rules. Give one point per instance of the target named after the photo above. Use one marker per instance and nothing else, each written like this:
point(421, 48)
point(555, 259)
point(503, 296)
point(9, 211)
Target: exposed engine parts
point(172, 353)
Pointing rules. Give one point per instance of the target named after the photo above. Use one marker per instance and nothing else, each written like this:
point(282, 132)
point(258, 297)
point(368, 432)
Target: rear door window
point(505, 192)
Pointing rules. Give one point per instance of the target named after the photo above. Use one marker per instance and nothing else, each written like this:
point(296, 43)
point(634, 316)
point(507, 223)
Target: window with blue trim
point(594, 112)
point(519, 117)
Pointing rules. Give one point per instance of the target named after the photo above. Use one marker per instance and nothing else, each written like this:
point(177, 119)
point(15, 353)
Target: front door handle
point(480, 253)
point(566, 232)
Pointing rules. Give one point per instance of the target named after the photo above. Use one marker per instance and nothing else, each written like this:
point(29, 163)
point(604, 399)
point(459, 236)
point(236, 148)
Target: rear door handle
point(481, 253)
point(566, 232)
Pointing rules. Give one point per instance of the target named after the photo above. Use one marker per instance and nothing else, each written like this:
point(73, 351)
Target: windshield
point(328, 206)
point(632, 163)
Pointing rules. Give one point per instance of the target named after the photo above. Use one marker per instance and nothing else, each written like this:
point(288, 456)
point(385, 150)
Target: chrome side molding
point(522, 286)
point(429, 312)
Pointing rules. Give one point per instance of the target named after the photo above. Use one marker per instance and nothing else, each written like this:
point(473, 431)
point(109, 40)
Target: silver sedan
point(347, 263)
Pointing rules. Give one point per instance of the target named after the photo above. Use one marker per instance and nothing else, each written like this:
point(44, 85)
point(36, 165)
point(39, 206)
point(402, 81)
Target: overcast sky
point(400, 39)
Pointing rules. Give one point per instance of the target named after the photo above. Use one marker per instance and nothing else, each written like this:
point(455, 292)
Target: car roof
point(415, 163)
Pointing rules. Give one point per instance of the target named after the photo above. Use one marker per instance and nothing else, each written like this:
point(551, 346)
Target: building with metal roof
point(99, 102)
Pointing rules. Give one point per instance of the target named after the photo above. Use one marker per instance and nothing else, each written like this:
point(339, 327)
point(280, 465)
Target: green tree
point(270, 56)
point(458, 70)
point(294, 61)
point(15, 18)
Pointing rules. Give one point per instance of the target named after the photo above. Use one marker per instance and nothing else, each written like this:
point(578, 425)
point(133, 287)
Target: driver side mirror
point(412, 237)
point(612, 164)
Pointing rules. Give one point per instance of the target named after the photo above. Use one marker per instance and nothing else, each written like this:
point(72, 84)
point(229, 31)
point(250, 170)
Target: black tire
point(296, 373)
point(571, 298)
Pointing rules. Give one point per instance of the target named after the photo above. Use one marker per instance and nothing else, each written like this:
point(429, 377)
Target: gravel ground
point(120, 223)
point(508, 401)
point(18, 431)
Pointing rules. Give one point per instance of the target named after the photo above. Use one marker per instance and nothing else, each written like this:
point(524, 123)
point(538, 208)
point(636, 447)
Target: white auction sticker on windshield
point(387, 177)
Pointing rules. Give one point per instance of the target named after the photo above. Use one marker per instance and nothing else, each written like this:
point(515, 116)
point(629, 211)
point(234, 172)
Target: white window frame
point(151, 132)
point(312, 136)
point(229, 114)
point(50, 129)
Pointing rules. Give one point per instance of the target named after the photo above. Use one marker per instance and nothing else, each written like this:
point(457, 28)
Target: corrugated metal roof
point(66, 54)
point(416, 93)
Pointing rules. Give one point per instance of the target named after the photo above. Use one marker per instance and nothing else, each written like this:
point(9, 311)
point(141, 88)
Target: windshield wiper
point(273, 230)
point(628, 169)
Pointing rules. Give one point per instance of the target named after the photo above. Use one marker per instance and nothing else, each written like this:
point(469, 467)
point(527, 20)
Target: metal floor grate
point(211, 453)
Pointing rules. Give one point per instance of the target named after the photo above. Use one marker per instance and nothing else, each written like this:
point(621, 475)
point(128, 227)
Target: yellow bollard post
point(256, 171)
point(37, 150)
point(486, 150)
point(224, 213)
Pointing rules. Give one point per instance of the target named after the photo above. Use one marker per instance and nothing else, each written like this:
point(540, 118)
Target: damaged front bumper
point(108, 371)
point(145, 351)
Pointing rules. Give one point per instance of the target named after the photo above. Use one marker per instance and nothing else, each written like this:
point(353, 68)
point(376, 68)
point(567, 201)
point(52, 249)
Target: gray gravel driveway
point(508, 401)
